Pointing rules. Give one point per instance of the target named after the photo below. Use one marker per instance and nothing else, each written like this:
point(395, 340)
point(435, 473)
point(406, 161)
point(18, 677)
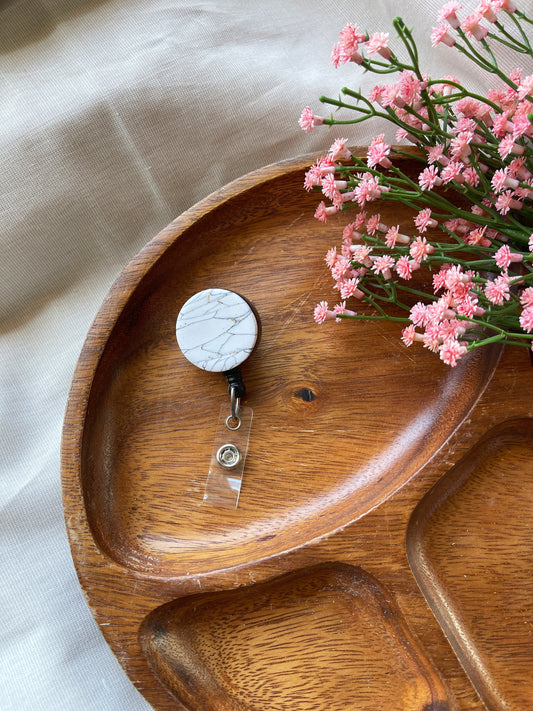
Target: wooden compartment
point(327, 638)
point(470, 544)
point(350, 432)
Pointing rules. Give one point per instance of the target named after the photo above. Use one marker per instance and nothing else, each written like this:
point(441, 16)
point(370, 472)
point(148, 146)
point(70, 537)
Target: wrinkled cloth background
point(116, 116)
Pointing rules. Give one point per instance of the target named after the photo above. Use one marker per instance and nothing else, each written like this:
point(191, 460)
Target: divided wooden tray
point(381, 553)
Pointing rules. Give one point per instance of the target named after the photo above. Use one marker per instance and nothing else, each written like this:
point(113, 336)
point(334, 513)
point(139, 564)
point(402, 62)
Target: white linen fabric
point(116, 116)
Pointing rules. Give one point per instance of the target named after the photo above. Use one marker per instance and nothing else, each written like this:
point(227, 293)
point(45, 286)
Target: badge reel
point(216, 331)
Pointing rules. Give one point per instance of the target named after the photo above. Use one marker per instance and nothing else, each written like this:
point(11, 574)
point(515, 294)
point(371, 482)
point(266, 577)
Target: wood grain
point(467, 541)
point(351, 431)
point(312, 639)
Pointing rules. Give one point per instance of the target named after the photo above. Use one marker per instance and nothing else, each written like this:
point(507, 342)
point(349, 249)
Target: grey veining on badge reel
point(216, 330)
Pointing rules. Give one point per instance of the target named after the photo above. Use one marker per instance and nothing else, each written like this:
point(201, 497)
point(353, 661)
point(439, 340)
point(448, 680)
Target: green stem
point(409, 43)
point(365, 317)
point(515, 44)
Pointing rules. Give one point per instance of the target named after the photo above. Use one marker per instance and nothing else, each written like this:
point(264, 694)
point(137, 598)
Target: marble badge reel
point(216, 331)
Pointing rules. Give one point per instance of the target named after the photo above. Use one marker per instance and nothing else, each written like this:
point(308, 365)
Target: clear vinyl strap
point(228, 456)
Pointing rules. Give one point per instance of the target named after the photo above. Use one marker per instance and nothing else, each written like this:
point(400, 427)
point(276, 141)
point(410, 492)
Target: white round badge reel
point(216, 330)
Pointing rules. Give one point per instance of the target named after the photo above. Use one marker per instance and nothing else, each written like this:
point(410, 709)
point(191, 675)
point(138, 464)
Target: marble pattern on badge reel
point(216, 330)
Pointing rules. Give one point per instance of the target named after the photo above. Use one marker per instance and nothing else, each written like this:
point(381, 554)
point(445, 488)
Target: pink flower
point(503, 202)
point(467, 305)
point(501, 180)
point(452, 171)
point(521, 126)
point(471, 27)
point(341, 268)
point(506, 5)
point(467, 107)
point(405, 267)
point(308, 120)
point(525, 87)
point(313, 177)
point(453, 275)
point(420, 249)
point(477, 237)
point(350, 38)
point(441, 34)
point(331, 257)
point(331, 189)
point(339, 151)
point(507, 146)
point(504, 257)
point(440, 309)
point(439, 279)
point(474, 109)
point(341, 310)
point(436, 154)
point(392, 236)
point(329, 186)
point(392, 96)
point(431, 338)
point(383, 265)
point(465, 283)
point(410, 87)
point(367, 190)
point(322, 212)
point(376, 93)
point(402, 134)
point(526, 297)
point(378, 151)
point(451, 351)
point(429, 177)
point(360, 220)
point(338, 57)
point(486, 11)
point(446, 88)
point(450, 328)
point(464, 124)
point(316, 172)
point(424, 220)
point(409, 335)
point(497, 291)
point(339, 198)
point(501, 125)
point(448, 12)
point(347, 50)
point(361, 254)
point(506, 99)
point(374, 225)
point(471, 176)
point(349, 233)
point(526, 319)
point(458, 225)
point(378, 42)
point(460, 145)
point(348, 287)
point(321, 312)
point(419, 314)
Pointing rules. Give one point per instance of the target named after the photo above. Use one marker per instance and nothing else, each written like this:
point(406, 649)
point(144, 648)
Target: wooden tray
point(380, 556)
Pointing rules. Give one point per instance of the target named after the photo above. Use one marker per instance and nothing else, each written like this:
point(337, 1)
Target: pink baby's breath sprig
point(471, 199)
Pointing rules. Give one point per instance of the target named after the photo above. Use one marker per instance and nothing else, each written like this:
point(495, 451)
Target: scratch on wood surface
point(297, 219)
point(298, 305)
point(246, 254)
